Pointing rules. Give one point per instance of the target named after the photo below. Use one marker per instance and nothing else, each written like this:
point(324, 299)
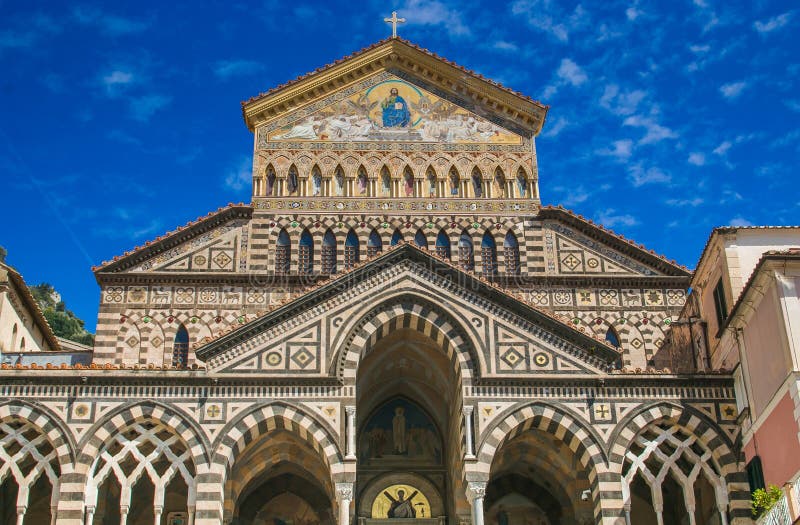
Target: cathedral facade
point(393, 328)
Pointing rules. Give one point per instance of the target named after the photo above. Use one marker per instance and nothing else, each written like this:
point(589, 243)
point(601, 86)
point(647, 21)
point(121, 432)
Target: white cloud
point(503, 45)
point(557, 126)
point(776, 22)
point(540, 16)
point(633, 13)
point(118, 77)
point(697, 158)
point(610, 218)
point(655, 132)
point(622, 150)
point(241, 176)
point(739, 221)
point(571, 72)
point(680, 203)
point(794, 105)
point(621, 103)
point(145, 106)
point(639, 176)
point(226, 69)
point(109, 24)
point(434, 13)
point(723, 148)
point(732, 90)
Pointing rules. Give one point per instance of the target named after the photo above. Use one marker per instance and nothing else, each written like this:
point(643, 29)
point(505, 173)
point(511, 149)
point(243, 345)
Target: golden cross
point(394, 21)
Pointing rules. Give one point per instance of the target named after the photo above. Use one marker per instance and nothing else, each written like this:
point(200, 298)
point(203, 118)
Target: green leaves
point(765, 499)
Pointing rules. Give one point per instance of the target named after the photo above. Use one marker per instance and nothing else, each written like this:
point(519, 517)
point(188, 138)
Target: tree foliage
point(63, 321)
point(765, 499)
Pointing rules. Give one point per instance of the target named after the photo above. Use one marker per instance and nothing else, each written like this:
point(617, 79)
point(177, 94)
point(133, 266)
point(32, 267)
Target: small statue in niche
point(408, 185)
point(291, 180)
point(339, 180)
point(316, 183)
point(362, 183)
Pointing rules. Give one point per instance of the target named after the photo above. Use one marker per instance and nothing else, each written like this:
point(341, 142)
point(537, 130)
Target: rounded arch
point(255, 422)
point(407, 310)
point(47, 422)
point(115, 420)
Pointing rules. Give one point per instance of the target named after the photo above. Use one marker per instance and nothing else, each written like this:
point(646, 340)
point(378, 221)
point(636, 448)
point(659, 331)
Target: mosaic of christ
point(395, 110)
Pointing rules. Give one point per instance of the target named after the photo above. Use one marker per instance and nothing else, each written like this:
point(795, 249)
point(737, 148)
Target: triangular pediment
point(400, 59)
point(214, 243)
point(509, 337)
point(387, 108)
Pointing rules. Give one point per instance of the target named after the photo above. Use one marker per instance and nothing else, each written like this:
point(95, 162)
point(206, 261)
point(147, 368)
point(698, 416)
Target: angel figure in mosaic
point(522, 184)
point(316, 182)
point(338, 179)
point(362, 182)
point(408, 185)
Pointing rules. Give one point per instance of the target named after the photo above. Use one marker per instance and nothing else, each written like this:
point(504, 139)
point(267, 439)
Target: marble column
point(89, 514)
point(470, 453)
point(21, 514)
point(476, 491)
point(123, 514)
point(157, 510)
point(344, 495)
point(351, 432)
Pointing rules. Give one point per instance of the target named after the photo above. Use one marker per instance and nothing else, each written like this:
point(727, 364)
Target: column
point(123, 514)
point(157, 510)
point(476, 491)
point(21, 514)
point(351, 432)
point(191, 514)
point(470, 454)
point(89, 514)
point(344, 495)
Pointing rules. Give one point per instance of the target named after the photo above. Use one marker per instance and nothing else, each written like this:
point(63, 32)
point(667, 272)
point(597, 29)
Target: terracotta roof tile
point(410, 44)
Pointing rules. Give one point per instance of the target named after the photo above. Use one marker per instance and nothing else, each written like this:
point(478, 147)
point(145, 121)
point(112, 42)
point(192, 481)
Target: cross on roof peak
point(394, 21)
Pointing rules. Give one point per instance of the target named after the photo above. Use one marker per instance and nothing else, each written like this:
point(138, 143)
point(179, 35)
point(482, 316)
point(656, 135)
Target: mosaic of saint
point(401, 501)
point(395, 110)
point(400, 431)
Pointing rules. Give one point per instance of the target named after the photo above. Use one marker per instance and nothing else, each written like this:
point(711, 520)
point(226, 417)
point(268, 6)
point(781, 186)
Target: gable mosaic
point(394, 110)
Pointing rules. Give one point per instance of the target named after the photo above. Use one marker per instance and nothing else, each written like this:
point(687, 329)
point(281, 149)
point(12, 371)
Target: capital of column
point(123, 509)
point(344, 491)
point(467, 409)
point(21, 510)
point(476, 490)
point(350, 410)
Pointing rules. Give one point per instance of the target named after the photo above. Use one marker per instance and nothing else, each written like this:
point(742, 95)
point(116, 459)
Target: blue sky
point(120, 121)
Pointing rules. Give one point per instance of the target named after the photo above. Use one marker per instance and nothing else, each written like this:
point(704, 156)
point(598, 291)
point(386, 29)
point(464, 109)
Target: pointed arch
point(488, 255)
point(500, 182)
point(466, 252)
point(283, 249)
point(292, 180)
point(305, 253)
point(316, 181)
point(351, 249)
point(180, 347)
point(430, 176)
point(511, 253)
point(421, 240)
point(455, 182)
point(397, 238)
point(443, 245)
point(408, 182)
point(362, 181)
point(613, 337)
point(522, 182)
point(386, 182)
point(338, 180)
point(374, 244)
point(477, 182)
point(329, 252)
point(270, 189)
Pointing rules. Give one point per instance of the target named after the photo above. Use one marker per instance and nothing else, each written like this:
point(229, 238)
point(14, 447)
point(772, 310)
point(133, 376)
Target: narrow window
point(408, 182)
point(13, 338)
point(755, 474)
point(511, 253)
point(292, 180)
point(488, 255)
point(180, 348)
point(22, 345)
point(500, 182)
point(477, 182)
point(397, 238)
point(329, 252)
point(269, 191)
point(466, 255)
point(431, 176)
point(361, 181)
point(386, 182)
point(443, 245)
point(351, 248)
point(338, 181)
point(612, 337)
point(305, 253)
point(374, 244)
point(316, 181)
point(720, 304)
point(522, 183)
point(454, 182)
point(420, 240)
point(283, 250)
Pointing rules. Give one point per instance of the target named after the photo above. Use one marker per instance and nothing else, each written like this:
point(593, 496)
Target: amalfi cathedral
point(393, 328)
